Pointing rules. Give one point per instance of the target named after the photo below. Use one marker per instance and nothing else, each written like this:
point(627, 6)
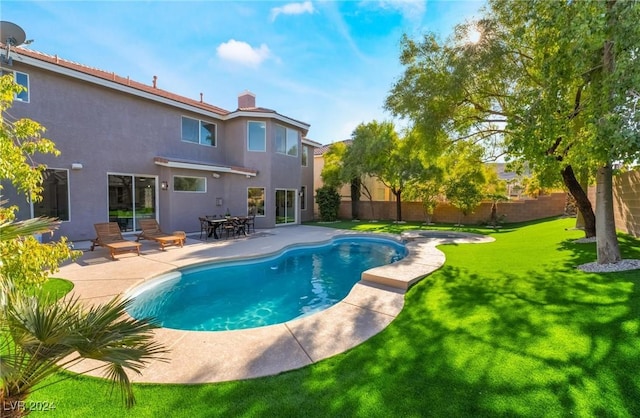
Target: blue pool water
point(262, 291)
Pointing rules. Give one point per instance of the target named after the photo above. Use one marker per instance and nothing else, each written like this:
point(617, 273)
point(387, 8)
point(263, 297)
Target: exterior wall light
point(164, 185)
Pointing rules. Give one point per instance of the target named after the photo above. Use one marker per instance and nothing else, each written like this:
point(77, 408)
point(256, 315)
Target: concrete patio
point(200, 356)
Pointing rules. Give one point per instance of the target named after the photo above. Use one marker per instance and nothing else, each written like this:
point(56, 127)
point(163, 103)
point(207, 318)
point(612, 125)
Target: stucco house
point(131, 150)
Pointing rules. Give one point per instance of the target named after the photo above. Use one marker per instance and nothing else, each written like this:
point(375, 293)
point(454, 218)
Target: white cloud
point(243, 53)
point(410, 9)
point(292, 9)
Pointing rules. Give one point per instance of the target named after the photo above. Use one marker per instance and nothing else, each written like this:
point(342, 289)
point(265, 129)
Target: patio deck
point(201, 356)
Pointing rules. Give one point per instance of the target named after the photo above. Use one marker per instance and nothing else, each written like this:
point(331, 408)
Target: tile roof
point(113, 77)
point(149, 89)
point(323, 149)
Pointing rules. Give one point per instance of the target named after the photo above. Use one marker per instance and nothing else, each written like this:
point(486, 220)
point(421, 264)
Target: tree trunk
point(584, 183)
point(355, 198)
point(494, 214)
point(606, 239)
point(397, 194)
point(582, 201)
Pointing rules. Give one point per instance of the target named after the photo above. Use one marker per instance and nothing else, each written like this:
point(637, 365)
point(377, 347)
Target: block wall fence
point(626, 201)
point(512, 211)
point(626, 206)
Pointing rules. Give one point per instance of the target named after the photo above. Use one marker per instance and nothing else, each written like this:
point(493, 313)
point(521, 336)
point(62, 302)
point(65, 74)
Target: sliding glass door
point(131, 198)
point(285, 206)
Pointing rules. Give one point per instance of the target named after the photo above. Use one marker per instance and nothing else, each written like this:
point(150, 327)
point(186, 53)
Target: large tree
point(540, 84)
point(378, 151)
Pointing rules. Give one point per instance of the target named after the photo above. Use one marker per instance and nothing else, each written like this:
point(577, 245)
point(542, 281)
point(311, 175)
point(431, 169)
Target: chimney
point(155, 79)
point(246, 100)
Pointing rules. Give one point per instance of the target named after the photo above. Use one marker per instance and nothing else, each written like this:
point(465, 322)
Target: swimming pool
point(262, 291)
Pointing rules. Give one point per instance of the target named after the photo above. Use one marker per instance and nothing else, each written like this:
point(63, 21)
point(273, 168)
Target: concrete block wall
point(626, 202)
point(513, 211)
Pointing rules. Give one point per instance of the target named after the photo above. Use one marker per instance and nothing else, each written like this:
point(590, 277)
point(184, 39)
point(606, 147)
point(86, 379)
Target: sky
point(330, 64)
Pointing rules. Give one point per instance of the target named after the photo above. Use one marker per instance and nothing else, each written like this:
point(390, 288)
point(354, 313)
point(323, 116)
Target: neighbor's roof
point(323, 149)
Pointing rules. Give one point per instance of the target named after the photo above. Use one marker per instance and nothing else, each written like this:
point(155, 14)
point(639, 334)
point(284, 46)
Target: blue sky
point(328, 63)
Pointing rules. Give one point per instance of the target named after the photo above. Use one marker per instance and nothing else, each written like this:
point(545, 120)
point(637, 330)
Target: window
point(305, 156)
point(189, 184)
point(303, 197)
point(285, 206)
point(292, 142)
point(286, 141)
point(23, 80)
point(281, 139)
point(255, 201)
point(131, 198)
point(55, 195)
point(257, 136)
point(198, 131)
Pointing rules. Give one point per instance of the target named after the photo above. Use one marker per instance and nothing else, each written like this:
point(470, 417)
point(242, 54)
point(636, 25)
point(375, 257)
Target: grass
point(508, 328)
point(55, 288)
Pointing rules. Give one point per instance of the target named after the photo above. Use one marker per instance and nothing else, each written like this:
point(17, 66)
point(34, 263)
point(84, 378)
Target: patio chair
point(240, 225)
point(229, 226)
point(250, 223)
point(206, 227)
point(108, 235)
point(151, 230)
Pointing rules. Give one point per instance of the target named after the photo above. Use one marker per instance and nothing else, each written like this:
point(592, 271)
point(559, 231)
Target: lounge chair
point(109, 236)
point(151, 230)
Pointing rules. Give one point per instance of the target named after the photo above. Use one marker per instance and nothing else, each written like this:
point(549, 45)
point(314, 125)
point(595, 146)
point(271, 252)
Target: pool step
point(423, 259)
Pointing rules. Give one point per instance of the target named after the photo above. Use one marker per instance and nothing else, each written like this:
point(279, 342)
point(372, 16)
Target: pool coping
point(216, 356)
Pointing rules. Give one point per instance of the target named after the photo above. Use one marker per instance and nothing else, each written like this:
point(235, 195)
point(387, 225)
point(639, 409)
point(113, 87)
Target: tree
point(469, 92)
point(584, 56)
point(328, 200)
point(382, 154)
point(465, 178)
point(550, 82)
point(39, 335)
point(495, 190)
point(428, 190)
point(342, 166)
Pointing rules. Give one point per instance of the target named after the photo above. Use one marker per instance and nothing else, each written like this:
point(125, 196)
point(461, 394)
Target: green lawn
point(508, 328)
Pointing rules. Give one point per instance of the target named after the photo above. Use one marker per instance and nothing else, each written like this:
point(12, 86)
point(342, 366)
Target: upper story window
point(256, 136)
point(286, 141)
point(198, 131)
point(305, 156)
point(23, 80)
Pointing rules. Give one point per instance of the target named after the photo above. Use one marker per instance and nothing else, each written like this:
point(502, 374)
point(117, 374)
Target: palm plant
point(38, 336)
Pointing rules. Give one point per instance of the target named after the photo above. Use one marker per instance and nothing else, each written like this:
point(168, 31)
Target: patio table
point(215, 223)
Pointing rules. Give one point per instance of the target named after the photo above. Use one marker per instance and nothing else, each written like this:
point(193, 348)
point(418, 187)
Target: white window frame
point(305, 156)
point(288, 141)
point(214, 142)
point(264, 142)
point(290, 146)
point(264, 199)
point(26, 95)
